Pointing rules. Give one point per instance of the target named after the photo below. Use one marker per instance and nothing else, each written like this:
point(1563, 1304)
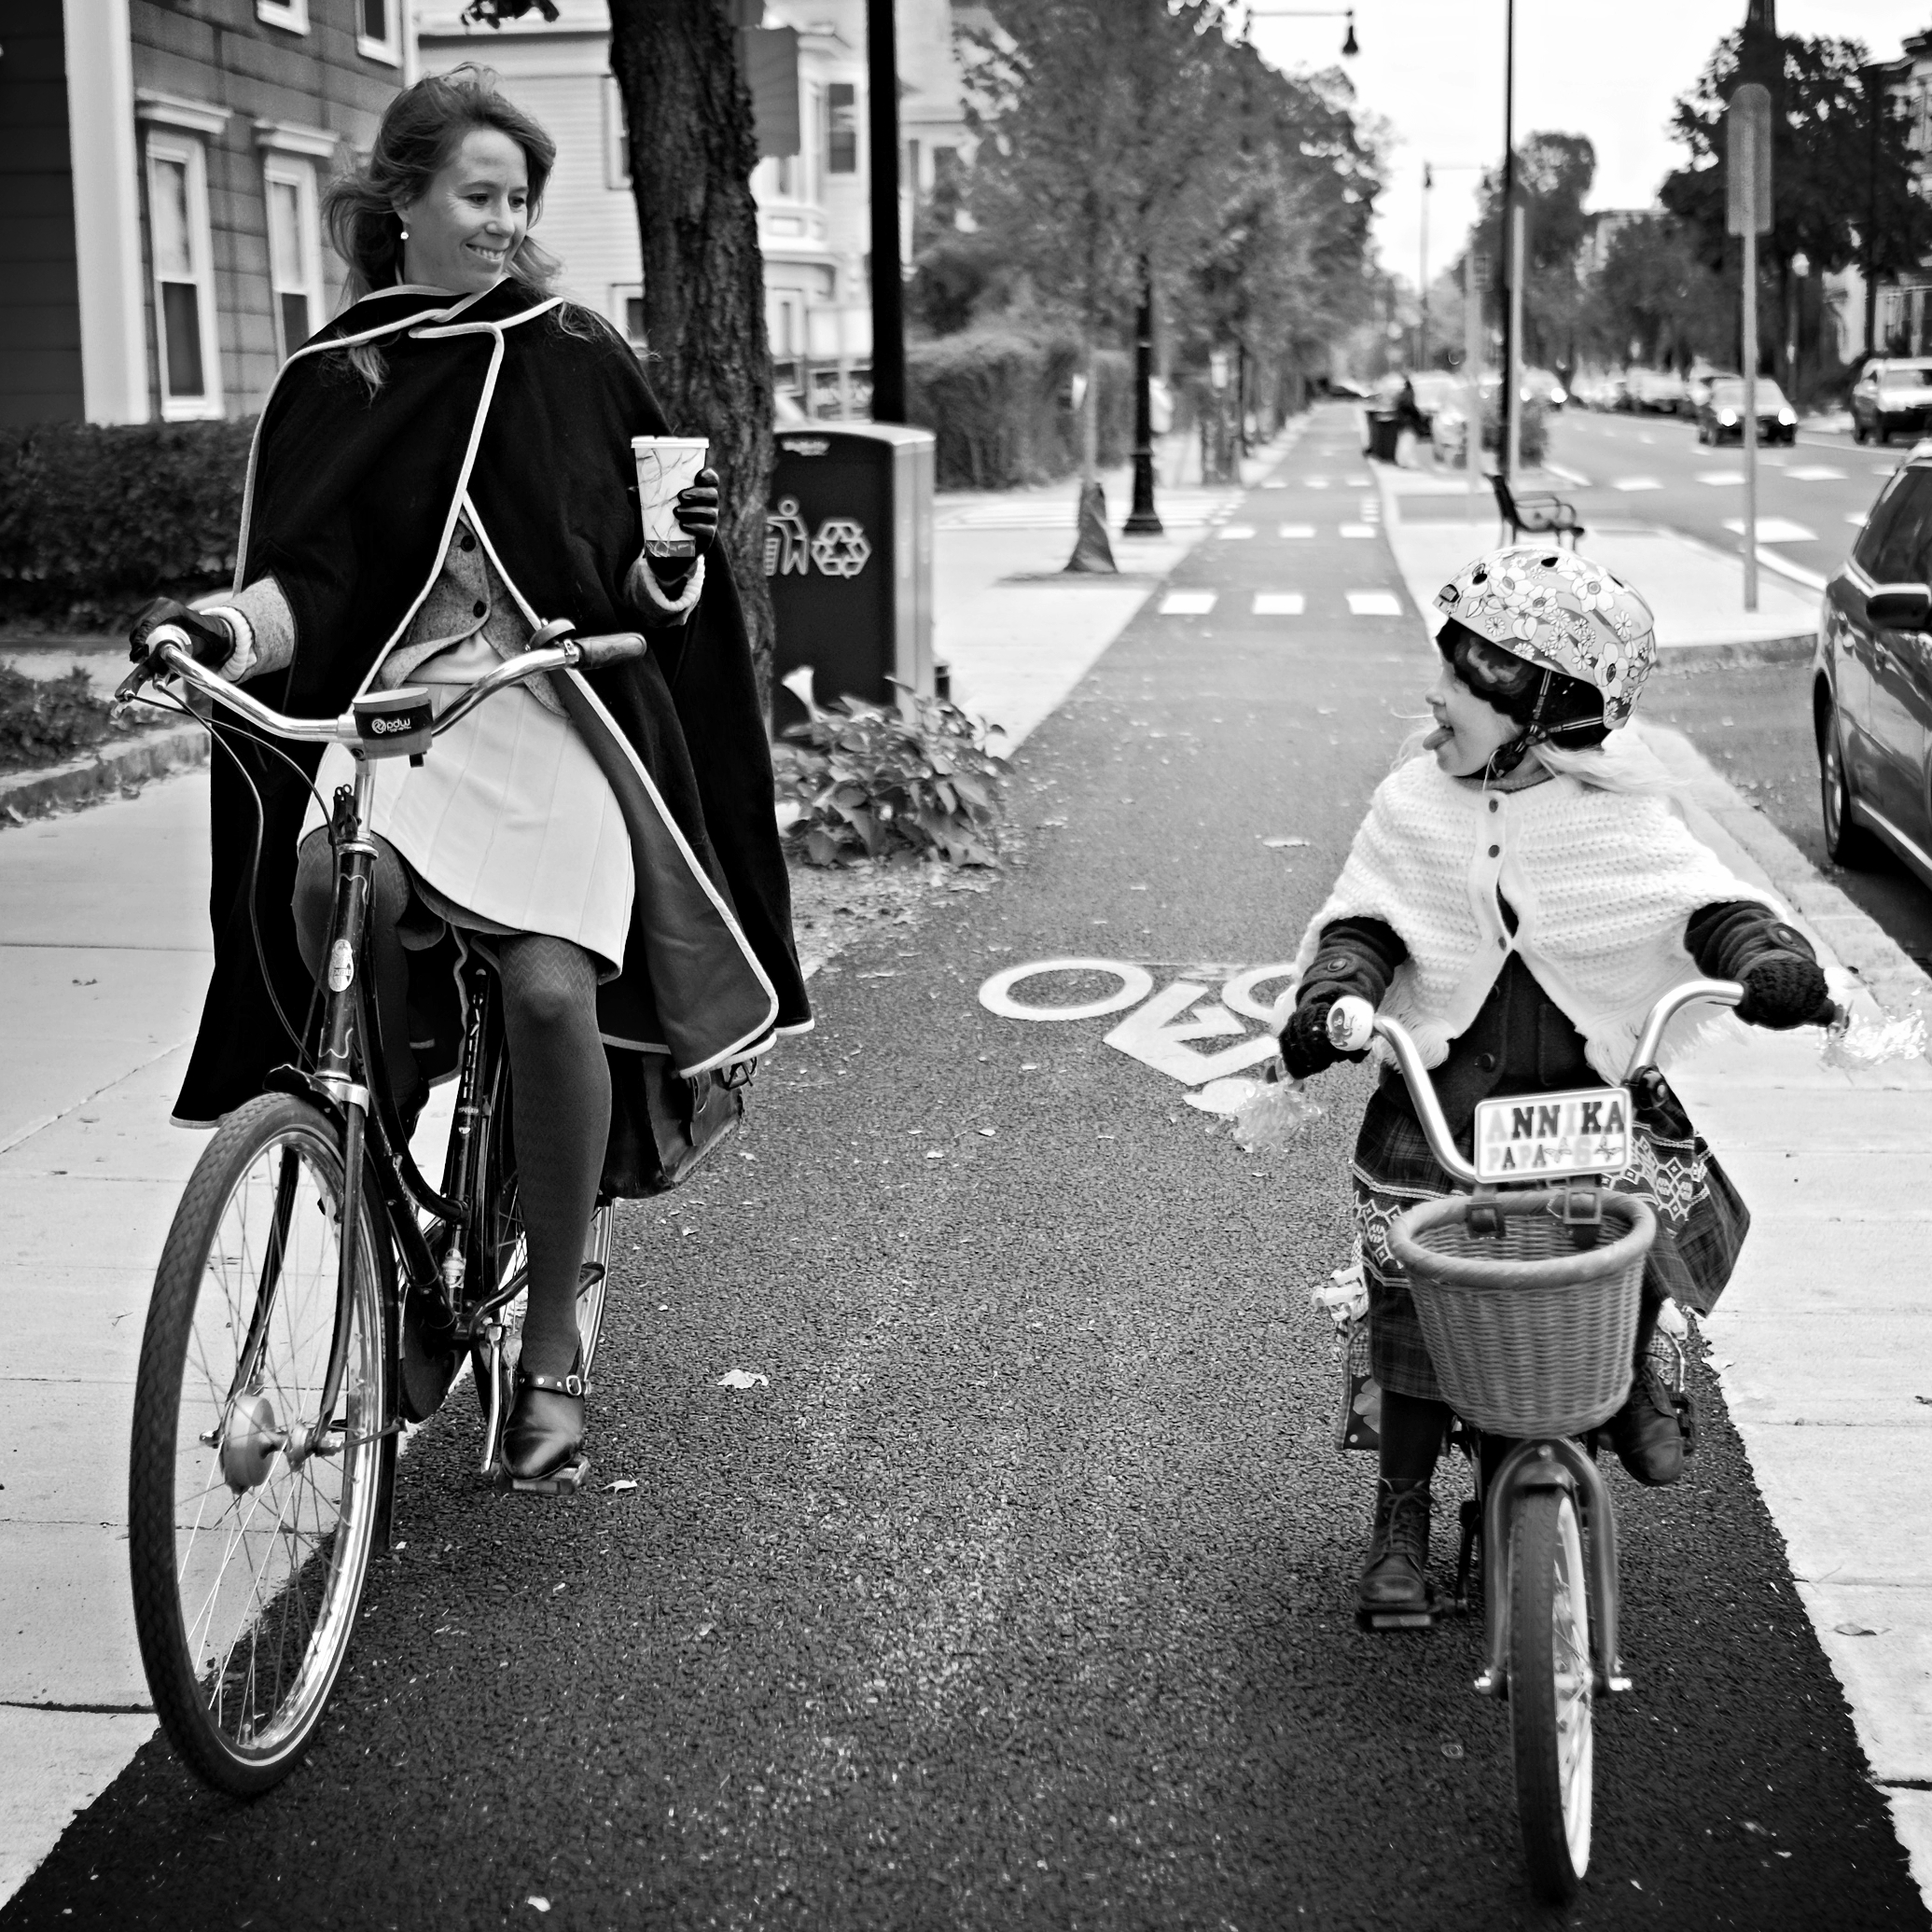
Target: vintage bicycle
point(1527, 1283)
point(315, 1293)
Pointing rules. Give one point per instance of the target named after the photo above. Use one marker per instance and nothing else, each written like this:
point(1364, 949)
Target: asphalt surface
point(1020, 1595)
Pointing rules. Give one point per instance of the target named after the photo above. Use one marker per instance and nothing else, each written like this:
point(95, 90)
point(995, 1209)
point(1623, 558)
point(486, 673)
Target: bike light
point(395, 724)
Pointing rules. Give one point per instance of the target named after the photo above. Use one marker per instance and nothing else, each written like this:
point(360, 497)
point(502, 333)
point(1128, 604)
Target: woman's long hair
point(420, 131)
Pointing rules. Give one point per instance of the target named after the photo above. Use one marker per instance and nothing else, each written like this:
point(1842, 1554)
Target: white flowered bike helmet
point(1558, 610)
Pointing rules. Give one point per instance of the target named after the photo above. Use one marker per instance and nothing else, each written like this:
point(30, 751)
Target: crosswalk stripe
point(1721, 478)
point(1635, 484)
point(1187, 604)
point(1315, 482)
point(1815, 473)
point(1279, 603)
point(1359, 530)
point(1235, 532)
point(1294, 530)
point(1856, 517)
point(1775, 529)
point(1374, 604)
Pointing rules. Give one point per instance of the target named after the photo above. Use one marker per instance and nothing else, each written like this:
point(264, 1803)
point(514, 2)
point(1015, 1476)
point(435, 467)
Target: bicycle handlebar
point(170, 654)
point(1353, 1023)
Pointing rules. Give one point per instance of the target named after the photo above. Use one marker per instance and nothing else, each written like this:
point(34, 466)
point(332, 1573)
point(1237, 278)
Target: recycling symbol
point(841, 548)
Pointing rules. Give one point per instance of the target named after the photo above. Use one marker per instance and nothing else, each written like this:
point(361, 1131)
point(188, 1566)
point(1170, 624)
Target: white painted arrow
point(1155, 1035)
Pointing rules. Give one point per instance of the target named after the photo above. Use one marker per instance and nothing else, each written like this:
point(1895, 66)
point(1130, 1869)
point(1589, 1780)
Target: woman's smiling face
point(471, 218)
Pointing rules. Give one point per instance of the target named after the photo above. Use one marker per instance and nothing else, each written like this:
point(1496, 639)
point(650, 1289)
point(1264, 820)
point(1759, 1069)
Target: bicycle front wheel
point(1550, 1686)
point(251, 1515)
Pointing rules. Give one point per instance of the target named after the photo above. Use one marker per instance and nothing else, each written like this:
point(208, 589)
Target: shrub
point(95, 521)
point(871, 783)
point(998, 399)
point(43, 720)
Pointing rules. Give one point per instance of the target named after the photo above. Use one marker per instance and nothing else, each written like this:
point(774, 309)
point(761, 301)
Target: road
point(1020, 1595)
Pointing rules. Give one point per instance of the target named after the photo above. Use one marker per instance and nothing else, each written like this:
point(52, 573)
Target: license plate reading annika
point(1544, 1135)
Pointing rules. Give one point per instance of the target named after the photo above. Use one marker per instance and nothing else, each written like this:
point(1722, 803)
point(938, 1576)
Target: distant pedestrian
point(1519, 900)
point(440, 471)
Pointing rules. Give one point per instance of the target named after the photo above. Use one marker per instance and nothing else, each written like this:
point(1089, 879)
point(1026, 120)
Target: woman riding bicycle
point(442, 469)
point(1519, 900)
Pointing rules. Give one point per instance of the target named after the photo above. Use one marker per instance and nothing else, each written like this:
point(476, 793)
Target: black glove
point(1305, 1045)
point(207, 639)
point(1784, 989)
point(697, 510)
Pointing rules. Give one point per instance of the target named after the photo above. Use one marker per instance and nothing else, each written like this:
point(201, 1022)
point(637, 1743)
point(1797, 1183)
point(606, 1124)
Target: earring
point(406, 234)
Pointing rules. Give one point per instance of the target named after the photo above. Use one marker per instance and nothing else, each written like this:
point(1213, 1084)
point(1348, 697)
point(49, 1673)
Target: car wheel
point(1859, 434)
point(1846, 844)
point(1884, 436)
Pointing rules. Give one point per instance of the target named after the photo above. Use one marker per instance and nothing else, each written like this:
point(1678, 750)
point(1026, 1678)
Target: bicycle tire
point(1551, 1691)
point(245, 1620)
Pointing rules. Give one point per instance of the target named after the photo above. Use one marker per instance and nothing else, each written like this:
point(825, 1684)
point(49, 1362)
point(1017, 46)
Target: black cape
point(520, 412)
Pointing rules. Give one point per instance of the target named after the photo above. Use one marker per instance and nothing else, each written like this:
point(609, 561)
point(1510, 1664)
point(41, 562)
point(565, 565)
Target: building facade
point(163, 159)
point(812, 186)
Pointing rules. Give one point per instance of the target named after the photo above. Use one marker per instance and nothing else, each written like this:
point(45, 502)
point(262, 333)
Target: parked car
point(1871, 681)
point(1541, 385)
point(1892, 394)
point(1721, 414)
point(1697, 384)
point(1655, 393)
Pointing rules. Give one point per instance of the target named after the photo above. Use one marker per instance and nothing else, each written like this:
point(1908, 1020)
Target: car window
point(1896, 545)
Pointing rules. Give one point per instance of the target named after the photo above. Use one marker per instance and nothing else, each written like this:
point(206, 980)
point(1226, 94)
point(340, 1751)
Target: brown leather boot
point(1394, 1589)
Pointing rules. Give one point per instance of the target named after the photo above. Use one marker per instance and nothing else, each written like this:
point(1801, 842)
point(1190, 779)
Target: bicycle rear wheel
point(251, 1516)
point(1551, 1686)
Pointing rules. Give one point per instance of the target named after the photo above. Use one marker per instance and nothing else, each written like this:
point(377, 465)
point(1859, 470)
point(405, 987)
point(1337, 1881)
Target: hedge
point(998, 400)
point(95, 521)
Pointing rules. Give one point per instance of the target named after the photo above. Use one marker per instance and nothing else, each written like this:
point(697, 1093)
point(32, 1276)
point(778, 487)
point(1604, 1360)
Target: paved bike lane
point(1019, 1590)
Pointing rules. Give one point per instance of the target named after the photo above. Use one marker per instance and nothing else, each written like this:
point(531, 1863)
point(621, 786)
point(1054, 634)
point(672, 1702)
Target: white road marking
point(1374, 604)
point(1156, 1034)
point(1569, 475)
point(996, 994)
point(1187, 604)
point(1775, 529)
point(1292, 530)
point(1627, 483)
point(1811, 579)
point(1815, 473)
point(1279, 603)
point(1235, 532)
point(1856, 518)
point(1359, 530)
point(1315, 482)
point(1722, 477)
point(1274, 484)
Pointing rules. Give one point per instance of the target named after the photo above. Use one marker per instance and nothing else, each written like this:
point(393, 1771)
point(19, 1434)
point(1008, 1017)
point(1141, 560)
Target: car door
point(1885, 742)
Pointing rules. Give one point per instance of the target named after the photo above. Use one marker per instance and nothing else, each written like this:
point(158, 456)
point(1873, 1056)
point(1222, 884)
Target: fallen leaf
point(1452, 1750)
point(743, 1378)
point(1858, 1630)
point(536, 1902)
point(934, 1154)
point(989, 1131)
point(620, 1486)
point(1280, 844)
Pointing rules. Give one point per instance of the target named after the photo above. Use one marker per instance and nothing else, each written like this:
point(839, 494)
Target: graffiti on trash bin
point(842, 548)
point(1160, 1028)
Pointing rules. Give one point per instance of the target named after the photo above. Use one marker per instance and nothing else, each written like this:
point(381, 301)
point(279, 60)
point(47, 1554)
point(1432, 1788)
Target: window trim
point(617, 141)
point(295, 171)
point(291, 16)
point(165, 144)
point(388, 48)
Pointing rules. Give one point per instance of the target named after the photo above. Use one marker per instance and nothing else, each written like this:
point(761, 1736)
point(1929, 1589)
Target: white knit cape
point(1601, 882)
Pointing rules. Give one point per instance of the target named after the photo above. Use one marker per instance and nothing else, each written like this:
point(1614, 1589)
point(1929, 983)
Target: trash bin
point(1385, 428)
point(849, 561)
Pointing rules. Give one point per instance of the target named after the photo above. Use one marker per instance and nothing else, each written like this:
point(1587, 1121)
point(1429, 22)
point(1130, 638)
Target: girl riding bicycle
point(442, 469)
point(1519, 899)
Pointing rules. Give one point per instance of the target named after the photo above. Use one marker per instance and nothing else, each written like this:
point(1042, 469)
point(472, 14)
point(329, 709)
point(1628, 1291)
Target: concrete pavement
point(87, 1180)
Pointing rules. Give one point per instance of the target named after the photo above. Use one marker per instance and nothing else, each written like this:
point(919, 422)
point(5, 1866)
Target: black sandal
point(543, 1434)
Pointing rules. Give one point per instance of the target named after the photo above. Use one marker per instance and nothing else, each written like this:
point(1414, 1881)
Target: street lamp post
point(1428, 183)
point(1143, 520)
point(888, 285)
point(1506, 252)
point(1350, 45)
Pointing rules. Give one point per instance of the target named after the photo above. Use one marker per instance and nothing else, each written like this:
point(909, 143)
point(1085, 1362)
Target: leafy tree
point(1841, 190)
point(1655, 298)
point(693, 147)
point(1555, 172)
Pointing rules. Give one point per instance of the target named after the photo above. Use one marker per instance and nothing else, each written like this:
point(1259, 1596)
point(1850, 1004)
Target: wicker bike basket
point(1530, 1333)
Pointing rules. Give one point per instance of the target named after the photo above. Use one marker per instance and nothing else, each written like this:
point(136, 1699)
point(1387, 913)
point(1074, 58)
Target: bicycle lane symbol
point(1160, 1028)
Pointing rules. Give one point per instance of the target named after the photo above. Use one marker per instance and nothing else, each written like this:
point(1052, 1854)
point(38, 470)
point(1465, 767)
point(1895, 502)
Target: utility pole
point(1422, 281)
point(1748, 215)
point(888, 286)
point(1143, 520)
point(1505, 421)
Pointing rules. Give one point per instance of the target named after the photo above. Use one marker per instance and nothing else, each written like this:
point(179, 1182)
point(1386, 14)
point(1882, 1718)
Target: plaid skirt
point(1702, 1221)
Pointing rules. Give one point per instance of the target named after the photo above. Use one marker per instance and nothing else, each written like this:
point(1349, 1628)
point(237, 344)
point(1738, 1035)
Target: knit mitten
point(1305, 1045)
point(1781, 989)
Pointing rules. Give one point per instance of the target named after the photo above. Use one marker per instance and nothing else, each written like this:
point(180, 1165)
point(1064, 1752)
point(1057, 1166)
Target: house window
point(295, 250)
point(377, 34)
point(292, 16)
point(627, 309)
point(841, 128)
point(184, 283)
point(617, 139)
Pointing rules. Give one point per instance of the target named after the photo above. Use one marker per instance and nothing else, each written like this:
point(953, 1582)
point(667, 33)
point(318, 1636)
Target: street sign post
point(1474, 281)
point(1747, 166)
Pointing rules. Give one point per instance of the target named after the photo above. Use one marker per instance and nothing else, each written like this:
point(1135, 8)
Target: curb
point(81, 782)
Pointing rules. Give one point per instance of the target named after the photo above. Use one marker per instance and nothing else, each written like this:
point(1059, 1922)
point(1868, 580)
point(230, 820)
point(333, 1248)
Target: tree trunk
point(692, 150)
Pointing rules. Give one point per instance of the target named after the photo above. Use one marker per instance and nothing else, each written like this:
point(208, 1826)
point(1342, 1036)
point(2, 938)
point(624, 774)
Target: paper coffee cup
point(665, 466)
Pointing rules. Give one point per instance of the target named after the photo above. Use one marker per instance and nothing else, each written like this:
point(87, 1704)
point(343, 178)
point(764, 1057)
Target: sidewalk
point(103, 961)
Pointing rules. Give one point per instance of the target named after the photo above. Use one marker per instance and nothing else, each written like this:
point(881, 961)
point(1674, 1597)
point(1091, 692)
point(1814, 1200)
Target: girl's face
point(471, 218)
point(1469, 730)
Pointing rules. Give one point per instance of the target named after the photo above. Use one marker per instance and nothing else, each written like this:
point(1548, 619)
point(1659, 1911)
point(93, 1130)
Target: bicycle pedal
point(565, 1482)
point(1397, 1620)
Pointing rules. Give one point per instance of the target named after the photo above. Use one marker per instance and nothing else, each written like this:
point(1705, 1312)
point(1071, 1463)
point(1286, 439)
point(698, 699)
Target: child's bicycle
point(282, 1354)
point(1528, 1297)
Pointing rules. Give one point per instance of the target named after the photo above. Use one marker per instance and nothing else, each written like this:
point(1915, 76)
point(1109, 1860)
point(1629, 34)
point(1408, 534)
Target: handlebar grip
point(617, 647)
point(1351, 1023)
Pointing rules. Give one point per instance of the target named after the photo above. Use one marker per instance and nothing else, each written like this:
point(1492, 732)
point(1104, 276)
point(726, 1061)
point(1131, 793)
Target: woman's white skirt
point(510, 818)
